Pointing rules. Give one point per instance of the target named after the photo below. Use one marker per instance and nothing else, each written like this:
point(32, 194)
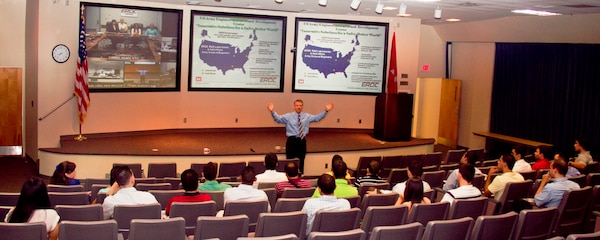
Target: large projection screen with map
point(236, 52)
point(131, 48)
point(344, 57)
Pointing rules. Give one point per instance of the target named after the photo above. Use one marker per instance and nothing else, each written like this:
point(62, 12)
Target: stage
point(94, 157)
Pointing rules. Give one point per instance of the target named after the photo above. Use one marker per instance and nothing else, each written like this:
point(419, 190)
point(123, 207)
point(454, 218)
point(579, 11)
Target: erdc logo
point(370, 84)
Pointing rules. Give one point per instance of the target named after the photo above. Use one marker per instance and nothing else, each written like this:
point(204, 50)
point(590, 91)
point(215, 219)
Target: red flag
point(392, 80)
point(81, 75)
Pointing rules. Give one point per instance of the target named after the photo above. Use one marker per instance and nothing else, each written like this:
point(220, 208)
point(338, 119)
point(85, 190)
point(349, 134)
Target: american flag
point(81, 75)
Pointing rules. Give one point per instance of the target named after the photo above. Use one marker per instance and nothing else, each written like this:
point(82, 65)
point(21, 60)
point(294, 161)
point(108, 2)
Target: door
point(11, 114)
point(449, 112)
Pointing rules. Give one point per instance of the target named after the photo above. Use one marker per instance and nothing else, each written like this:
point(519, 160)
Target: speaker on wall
point(393, 116)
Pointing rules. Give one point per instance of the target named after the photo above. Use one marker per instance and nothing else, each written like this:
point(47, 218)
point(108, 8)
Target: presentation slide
point(340, 56)
point(236, 52)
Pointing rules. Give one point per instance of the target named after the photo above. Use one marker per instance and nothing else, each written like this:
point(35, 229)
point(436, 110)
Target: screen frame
point(282, 19)
point(384, 63)
point(177, 77)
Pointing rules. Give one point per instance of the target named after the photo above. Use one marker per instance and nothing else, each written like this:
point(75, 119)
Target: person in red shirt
point(541, 162)
point(189, 180)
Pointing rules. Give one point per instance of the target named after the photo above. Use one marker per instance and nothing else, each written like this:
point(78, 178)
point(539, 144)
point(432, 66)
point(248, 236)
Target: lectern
point(393, 116)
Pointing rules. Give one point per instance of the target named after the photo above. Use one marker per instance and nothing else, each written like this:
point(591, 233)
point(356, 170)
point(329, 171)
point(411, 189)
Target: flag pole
point(80, 137)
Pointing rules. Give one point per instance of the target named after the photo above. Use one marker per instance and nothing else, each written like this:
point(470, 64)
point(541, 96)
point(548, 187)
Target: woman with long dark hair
point(34, 206)
point(413, 193)
point(65, 174)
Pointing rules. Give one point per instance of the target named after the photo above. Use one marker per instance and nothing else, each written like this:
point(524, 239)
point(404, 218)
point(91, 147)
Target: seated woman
point(34, 206)
point(65, 174)
point(413, 193)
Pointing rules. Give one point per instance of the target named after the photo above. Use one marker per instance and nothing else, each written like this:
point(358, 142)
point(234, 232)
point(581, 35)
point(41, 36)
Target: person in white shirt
point(244, 191)
point(466, 190)
point(520, 165)
point(326, 201)
point(415, 170)
point(122, 192)
point(270, 175)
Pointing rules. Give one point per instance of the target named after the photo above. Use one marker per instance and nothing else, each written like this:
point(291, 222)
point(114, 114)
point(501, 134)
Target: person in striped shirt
point(294, 180)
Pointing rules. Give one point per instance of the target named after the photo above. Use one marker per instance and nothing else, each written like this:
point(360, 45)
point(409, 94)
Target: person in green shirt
point(210, 174)
point(343, 189)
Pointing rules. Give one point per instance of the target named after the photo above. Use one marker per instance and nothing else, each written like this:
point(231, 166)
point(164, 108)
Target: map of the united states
point(224, 56)
point(327, 60)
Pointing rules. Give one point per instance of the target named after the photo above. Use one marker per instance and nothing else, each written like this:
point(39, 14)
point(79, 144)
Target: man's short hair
point(299, 100)
point(189, 180)
point(291, 169)
point(583, 142)
point(123, 175)
point(339, 169)
point(544, 149)
point(374, 167)
point(467, 171)
point(210, 171)
point(415, 167)
point(326, 183)
point(271, 161)
point(521, 150)
point(248, 175)
point(561, 166)
point(472, 157)
point(509, 160)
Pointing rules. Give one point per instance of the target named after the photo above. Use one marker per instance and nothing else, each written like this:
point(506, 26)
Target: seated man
point(342, 189)
point(122, 192)
point(270, 175)
point(496, 187)
point(520, 164)
point(293, 179)
point(415, 170)
point(554, 185)
point(210, 184)
point(189, 181)
point(541, 162)
point(452, 180)
point(466, 190)
point(584, 157)
point(326, 201)
point(245, 191)
point(372, 174)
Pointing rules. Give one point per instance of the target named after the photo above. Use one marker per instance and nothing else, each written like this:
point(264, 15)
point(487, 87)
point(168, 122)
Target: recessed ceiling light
point(535, 12)
point(194, 2)
point(389, 8)
point(453, 20)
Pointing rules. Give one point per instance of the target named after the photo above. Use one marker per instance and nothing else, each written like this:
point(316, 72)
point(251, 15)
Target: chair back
point(397, 175)
point(529, 175)
point(275, 224)
point(289, 204)
point(174, 181)
point(136, 168)
point(584, 236)
point(23, 231)
point(489, 163)
point(100, 198)
point(376, 216)
point(572, 210)
point(536, 223)
point(158, 229)
point(592, 168)
point(354, 201)
point(250, 208)
point(218, 197)
point(263, 185)
point(91, 212)
point(259, 166)
point(581, 180)
point(68, 198)
point(162, 170)
point(4, 211)
point(387, 199)
point(480, 152)
point(89, 182)
point(64, 188)
point(190, 211)
point(479, 181)
point(390, 162)
point(335, 221)
point(435, 178)
point(594, 206)
point(363, 164)
point(432, 159)
point(164, 196)
point(410, 231)
point(9, 199)
point(290, 236)
point(363, 188)
point(90, 230)
point(95, 188)
point(593, 179)
point(454, 156)
point(356, 234)
point(514, 191)
point(298, 192)
point(123, 214)
point(495, 227)
point(226, 227)
point(473, 207)
point(424, 213)
point(454, 229)
point(271, 195)
point(233, 169)
point(152, 186)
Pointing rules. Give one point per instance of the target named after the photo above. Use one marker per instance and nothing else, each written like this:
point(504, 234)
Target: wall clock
point(60, 53)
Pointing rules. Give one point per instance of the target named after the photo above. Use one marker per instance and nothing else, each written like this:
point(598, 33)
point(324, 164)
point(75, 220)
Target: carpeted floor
point(15, 171)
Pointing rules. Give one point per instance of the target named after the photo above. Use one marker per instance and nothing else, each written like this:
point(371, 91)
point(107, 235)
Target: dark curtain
point(547, 92)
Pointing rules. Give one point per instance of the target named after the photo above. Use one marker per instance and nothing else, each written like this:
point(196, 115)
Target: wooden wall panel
point(11, 114)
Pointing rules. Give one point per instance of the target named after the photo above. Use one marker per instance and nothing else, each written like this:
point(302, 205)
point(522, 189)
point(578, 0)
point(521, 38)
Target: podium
point(393, 116)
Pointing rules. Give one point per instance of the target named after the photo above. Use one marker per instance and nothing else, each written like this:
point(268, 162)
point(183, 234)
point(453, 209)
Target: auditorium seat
point(376, 216)
point(390, 162)
point(388, 199)
point(231, 169)
point(410, 231)
point(290, 236)
point(281, 164)
point(68, 198)
point(274, 224)
point(397, 175)
point(174, 181)
point(363, 188)
point(157, 229)
point(572, 211)
point(355, 234)
point(92, 212)
point(95, 189)
point(250, 208)
point(337, 220)
point(424, 213)
point(455, 229)
point(164, 196)
point(9, 199)
point(23, 231)
point(136, 168)
point(190, 211)
point(3, 211)
point(472, 207)
point(226, 227)
point(64, 188)
point(89, 182)
point(216, 196)
point(92, 230)
point(454, 156)
point(536, 223)
point(123, 214)
point(289, 204)
point(153, 186)
point(363, 164)
point(495, 226)
point(162, 170)
point(199, 168)
point(432, 159)
point(259, 166)
point(298, 192)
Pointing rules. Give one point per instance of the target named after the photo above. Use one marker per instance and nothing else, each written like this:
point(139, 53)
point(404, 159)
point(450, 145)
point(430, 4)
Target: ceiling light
point(453, 20)
point(354, 5)
point(402, 11)
point(379, 7)
point(437, 14)
point(279, 1)
point(323, 2)
point(535, 12)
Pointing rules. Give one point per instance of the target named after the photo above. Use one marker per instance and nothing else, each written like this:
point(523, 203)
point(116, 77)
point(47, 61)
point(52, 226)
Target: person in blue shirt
point(296, 128)
point(64, 174)
point(554, 185)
